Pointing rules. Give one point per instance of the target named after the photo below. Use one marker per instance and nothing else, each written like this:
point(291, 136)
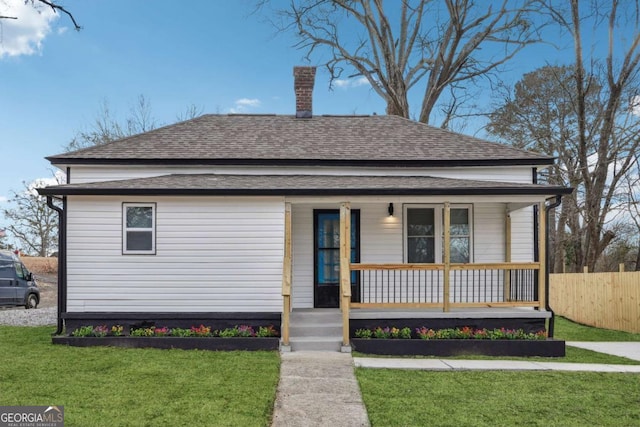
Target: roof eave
point(536, 161)
point(493, 191)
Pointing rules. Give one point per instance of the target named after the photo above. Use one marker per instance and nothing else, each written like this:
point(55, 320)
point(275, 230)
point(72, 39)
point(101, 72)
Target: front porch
point(437, 295)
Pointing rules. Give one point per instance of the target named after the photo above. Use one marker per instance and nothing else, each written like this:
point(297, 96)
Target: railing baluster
point(423, 284)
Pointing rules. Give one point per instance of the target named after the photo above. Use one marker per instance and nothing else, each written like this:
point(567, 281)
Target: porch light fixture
point(390, 209)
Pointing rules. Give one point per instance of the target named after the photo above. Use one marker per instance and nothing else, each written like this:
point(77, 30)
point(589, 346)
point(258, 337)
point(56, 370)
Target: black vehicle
point(17, 285)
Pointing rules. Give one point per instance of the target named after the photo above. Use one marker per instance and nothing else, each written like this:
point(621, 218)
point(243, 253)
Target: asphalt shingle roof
point(271, 139)
point(219, 184)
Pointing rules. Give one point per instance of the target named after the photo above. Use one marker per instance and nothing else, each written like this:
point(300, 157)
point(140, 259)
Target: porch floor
point(454, 313)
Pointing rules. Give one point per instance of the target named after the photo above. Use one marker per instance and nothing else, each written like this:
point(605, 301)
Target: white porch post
point(447, 255)
point(345, 268)
point(286, 275)
point(507, 254)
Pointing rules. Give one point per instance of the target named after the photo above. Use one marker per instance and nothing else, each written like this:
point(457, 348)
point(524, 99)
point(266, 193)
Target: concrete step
point(305, 329)
point(316, 316)
point(315, 343)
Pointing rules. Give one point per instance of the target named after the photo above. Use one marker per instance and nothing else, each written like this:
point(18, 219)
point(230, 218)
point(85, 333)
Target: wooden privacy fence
point(604, 300)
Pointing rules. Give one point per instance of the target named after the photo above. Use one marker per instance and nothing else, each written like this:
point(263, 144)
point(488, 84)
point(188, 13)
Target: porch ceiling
point(301, 185)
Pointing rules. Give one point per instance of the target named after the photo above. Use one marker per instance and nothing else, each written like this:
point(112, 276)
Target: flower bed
point(201, 337)
point(456, 342)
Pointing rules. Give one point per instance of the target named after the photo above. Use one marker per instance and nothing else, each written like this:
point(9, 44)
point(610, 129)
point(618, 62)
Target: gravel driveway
point(22, 317)
point(45, 314)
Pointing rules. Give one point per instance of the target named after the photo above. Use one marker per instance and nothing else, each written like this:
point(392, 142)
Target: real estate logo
point(31, 416)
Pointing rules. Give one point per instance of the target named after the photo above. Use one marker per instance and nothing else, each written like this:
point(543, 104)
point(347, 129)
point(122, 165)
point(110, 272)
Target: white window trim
point(126, 205)
point(439, 228)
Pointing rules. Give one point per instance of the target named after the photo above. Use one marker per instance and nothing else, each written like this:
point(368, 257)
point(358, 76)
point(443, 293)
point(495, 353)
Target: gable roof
point(299, 185)
point(286, 140)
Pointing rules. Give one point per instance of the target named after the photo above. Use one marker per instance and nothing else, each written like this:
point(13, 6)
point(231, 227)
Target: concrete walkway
point(488, 365)
point(628, 349)
point(318, 389)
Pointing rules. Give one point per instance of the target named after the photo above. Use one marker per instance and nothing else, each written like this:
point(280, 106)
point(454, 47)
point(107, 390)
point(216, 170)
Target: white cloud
point(59, 178)
point(24, 35)
point(3, 199)
point(349, 83)
point(248, 102)
point(243, 104)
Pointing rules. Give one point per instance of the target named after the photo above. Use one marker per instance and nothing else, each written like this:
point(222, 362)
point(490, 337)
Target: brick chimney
point(304, 78)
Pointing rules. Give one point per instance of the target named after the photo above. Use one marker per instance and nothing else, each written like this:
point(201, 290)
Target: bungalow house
point(267, 219)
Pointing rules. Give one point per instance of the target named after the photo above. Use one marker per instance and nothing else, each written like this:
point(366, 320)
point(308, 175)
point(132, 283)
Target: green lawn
point(497, 398)
point(570, 331)
point(101, 386)
point(508, 398)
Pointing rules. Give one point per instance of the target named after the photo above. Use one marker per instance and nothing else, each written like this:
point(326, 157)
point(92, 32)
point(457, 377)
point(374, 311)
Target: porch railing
point(468, 285)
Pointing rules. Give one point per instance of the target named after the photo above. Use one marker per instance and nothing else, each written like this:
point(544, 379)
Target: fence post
point(621, 267)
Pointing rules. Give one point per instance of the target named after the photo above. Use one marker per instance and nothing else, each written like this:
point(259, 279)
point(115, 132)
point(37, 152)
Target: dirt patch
point(41, 265)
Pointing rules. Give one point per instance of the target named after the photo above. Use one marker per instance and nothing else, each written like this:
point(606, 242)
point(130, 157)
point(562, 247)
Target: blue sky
point(213, 54)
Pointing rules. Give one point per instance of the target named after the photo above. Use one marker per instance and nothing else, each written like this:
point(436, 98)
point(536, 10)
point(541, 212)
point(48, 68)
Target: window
point(460, 242)
point(139, 228)
point(421, 237)
point(20, 271)
point(424, 231)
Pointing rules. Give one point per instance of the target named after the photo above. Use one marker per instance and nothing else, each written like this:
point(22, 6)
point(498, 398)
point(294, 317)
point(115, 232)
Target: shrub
point(142, 332)
point(479, 334)
point(267, 331)
point(364, 333)
point(117, 330)
point(181, 332)
point(83, 331)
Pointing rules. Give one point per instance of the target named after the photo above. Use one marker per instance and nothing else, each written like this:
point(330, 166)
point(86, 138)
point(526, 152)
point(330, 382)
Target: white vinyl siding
point(522, 235)
point(83, 174)
point(213, 254)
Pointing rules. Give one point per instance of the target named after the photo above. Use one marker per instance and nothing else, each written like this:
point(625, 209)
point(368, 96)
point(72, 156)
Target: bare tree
point(3, 239)
point(107, 128)
point(33, 224)
point(630, 192)
point(190, 112)
point(55, 6)
point(408, 45)
point(581, 114)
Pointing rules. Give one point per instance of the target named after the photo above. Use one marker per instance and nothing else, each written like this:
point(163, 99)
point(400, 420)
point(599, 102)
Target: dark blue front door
point(327, 257)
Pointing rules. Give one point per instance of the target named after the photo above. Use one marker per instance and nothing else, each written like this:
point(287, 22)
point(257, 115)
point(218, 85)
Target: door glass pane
point(328, 266)
point(421, 249)
point(328, 231)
